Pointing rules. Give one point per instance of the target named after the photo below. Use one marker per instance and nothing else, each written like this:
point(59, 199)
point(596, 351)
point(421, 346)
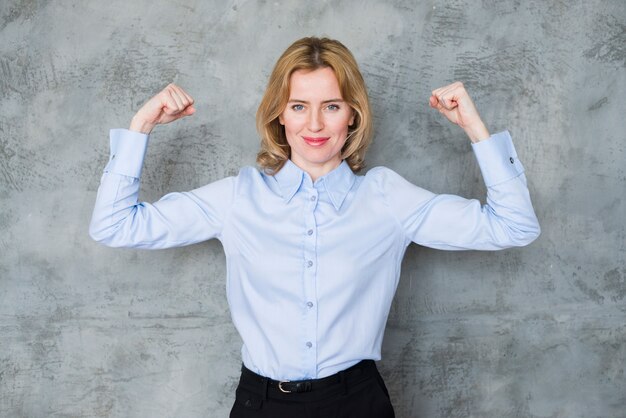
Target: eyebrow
point(305, 102)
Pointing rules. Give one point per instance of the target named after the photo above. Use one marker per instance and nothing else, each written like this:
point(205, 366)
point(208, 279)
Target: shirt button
point(312, 198)
point(309, 263)
point(309, 304)
point(511, 160)
point(309, 232)
point(113, 157)
point(309, 344)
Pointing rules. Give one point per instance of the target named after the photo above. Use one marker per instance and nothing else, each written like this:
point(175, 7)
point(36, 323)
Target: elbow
point(527, 234)
point(536, 232)
point(112, 234)
point(101, 234)
point(533, 235)
point(96, 233)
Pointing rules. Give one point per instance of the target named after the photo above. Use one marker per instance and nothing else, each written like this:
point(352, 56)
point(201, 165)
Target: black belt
point(359, 371)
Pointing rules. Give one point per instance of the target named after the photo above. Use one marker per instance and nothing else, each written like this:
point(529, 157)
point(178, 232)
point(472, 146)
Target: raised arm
point(177, 219)
point(452, 222)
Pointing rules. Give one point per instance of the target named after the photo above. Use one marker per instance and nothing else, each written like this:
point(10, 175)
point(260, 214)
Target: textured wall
point(87, 331)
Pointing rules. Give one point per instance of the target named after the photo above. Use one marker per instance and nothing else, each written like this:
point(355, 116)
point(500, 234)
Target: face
point(316, 121)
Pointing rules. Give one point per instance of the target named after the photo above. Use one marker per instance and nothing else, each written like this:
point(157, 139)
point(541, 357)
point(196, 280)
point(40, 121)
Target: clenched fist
point(169, 104)
point(454, 103)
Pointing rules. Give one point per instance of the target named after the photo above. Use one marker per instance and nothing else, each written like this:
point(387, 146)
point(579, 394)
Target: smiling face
point(316, 121)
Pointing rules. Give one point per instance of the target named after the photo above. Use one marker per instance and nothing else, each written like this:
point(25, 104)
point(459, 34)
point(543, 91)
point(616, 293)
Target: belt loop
point(344, 381)
point(265, 384)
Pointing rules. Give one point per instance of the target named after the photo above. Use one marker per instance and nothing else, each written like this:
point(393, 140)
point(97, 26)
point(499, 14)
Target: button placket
point(309, 286)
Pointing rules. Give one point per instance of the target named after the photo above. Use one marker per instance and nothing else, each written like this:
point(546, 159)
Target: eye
point(297, 107)
point(332, 107)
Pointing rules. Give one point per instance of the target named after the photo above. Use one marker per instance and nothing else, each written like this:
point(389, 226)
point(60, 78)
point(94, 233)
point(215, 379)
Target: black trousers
point(357, 392)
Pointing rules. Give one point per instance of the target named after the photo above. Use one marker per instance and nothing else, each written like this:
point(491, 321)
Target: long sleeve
point(177, 219)
point(453, 223)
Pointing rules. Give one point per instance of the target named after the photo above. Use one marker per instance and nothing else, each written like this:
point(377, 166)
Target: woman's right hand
point(169, 104)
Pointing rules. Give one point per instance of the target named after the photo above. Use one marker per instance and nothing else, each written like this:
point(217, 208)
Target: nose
point(316, 121)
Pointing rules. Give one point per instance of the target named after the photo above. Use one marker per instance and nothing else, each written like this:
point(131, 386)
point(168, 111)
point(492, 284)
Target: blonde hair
point(310, 54)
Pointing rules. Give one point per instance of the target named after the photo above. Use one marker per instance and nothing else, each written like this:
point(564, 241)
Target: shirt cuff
point(128, 149)
point(497, 159)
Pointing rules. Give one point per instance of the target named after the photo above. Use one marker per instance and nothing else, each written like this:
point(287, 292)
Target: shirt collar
point(337, 183)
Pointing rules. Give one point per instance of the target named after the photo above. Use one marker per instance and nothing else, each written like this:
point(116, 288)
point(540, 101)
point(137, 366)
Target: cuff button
point(511, 160)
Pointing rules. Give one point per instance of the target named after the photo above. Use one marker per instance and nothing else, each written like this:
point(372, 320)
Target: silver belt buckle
point(280, 386)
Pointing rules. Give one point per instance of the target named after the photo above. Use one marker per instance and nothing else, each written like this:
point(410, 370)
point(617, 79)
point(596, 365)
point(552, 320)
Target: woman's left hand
point(454, 103)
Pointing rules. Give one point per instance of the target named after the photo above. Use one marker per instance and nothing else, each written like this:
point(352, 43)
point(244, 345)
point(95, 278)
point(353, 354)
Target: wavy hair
point(310, 54)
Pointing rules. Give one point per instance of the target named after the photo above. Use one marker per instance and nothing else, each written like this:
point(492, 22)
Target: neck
point(316, 171)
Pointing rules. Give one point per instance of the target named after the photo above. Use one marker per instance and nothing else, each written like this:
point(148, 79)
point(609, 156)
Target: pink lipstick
point(315, 141)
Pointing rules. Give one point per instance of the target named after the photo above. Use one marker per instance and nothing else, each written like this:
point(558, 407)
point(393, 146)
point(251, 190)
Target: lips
point(316, 141)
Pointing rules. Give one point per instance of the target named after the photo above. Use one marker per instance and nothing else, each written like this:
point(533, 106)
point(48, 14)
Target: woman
point(313, 251)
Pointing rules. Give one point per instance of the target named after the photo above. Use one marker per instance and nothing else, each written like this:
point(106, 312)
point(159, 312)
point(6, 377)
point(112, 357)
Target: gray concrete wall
point(87, 331)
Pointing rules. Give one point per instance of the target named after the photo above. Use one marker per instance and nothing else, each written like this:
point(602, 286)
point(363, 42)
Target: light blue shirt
point(313, 266)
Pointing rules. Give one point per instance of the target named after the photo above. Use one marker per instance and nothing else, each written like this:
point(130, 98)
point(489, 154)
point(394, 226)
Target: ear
point(281, 120)
point(351, 122)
